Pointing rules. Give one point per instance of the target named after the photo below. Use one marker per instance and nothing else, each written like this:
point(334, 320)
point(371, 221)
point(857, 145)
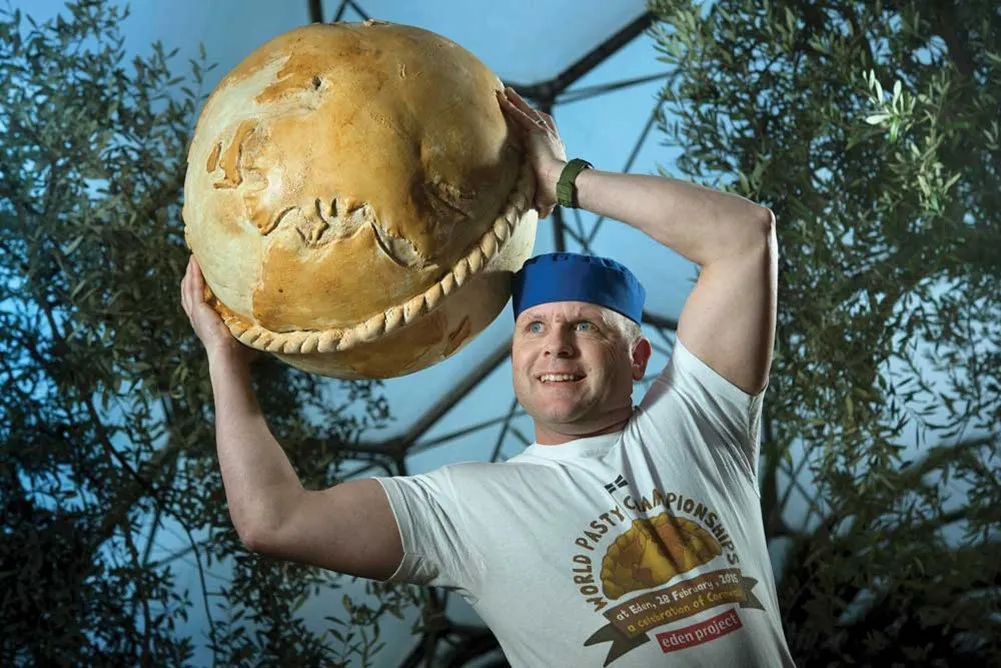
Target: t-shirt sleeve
point(690, 393)
point(434, 528)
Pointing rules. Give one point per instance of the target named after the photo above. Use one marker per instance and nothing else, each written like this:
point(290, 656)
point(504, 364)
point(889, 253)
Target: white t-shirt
point(640, 548)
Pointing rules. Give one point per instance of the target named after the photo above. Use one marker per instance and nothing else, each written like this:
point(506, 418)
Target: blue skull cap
point(571, 277)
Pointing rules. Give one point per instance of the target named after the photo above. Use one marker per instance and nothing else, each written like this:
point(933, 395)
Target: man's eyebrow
point(581, 314)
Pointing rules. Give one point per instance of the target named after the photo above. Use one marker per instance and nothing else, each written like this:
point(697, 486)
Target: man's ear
point(641, 357)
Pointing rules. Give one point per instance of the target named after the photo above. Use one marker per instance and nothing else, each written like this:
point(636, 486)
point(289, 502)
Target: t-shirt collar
point(582, 448)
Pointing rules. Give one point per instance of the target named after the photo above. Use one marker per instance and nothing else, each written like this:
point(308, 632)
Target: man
point(626, 536)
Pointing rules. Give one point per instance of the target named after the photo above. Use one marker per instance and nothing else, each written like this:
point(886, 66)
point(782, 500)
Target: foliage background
point(871, 130)
point(107, 426)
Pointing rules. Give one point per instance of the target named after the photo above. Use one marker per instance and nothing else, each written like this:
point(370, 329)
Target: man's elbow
point(260, 531)
point(764, 220)
point(253, 538)
point(763, 241)
point(754, 238)
point(251, 533)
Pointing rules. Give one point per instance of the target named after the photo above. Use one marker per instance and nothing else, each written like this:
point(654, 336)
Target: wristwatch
point(566, 193)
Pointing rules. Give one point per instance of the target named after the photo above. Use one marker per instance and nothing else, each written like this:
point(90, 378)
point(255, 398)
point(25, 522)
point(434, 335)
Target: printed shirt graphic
point(639, 548)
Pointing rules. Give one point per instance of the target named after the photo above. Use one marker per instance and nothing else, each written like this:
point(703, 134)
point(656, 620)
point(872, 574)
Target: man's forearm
point(260, 483)
point(701, 224)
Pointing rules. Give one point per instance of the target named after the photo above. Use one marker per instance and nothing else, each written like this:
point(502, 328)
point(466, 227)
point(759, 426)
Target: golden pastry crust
point(397, 316)
point(344, 182)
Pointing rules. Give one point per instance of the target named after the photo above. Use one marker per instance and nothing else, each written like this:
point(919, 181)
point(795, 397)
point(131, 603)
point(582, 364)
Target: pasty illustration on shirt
point(661, 570)
point(652, 552)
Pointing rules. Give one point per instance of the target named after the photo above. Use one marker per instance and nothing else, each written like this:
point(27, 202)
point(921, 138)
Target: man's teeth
point(558, 377)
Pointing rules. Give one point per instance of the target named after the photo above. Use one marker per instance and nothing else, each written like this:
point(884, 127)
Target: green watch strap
point(566, 193)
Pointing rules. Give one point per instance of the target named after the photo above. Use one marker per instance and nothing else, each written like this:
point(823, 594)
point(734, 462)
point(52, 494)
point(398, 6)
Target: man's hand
point(543, 143)
point(220, 345)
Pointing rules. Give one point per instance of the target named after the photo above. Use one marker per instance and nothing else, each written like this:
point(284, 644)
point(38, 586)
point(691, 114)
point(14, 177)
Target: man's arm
point(729, 319)
point(348, 528)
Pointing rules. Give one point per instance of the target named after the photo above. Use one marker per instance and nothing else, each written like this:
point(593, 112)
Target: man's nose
point(560, 343)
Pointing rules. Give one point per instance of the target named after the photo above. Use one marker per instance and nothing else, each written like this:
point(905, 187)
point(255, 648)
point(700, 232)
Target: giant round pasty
point(356, 200)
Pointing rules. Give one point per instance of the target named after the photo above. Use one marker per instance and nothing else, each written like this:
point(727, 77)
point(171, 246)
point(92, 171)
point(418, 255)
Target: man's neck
point(545, 435)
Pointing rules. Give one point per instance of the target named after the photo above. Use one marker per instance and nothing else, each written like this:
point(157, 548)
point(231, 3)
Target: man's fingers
point(518, 101)
point(184, 289)
point(197, 282)
point(538, 118)
point(196, 273)
point(531, 119)
point(523, 119)
point(549, 121)
point(192, 287)
point(511, 111)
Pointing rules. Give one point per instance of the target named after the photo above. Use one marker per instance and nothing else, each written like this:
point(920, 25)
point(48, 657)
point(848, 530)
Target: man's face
point(573, 371)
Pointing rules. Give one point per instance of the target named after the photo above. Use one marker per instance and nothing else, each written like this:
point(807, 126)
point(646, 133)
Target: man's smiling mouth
point(560, 378)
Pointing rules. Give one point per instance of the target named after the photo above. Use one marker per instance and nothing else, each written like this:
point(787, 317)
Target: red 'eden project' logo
point(696, 634)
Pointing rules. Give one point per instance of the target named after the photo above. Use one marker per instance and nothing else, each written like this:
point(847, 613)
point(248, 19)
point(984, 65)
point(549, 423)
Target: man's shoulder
point(473, 480)
point(473, 470)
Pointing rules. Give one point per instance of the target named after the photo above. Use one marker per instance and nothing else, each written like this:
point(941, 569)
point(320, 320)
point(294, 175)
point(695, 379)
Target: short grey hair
point(627, 328)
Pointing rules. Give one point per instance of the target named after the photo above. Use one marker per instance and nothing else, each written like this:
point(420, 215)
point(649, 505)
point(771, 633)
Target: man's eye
point(535, 327)
point(584, 326)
